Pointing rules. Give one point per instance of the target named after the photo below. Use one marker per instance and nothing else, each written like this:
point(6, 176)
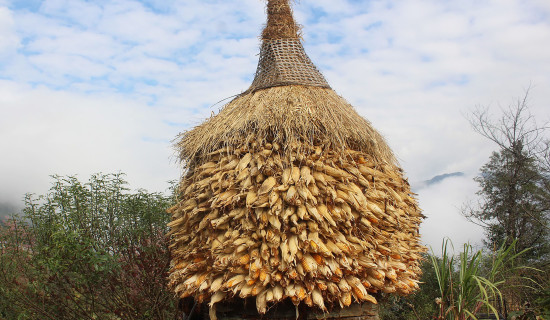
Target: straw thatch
point(287, 115)
point(280, 22)
point(289, 194)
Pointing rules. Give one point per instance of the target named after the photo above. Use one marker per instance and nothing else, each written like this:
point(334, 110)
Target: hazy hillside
point(7, 209)
point(436, 179)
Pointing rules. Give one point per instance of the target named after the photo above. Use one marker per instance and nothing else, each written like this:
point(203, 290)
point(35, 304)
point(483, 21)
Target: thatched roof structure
point(289, 194)
point(289, 101)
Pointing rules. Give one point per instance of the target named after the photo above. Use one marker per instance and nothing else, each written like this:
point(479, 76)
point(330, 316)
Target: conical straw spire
point(283, 60)
point(280, 22)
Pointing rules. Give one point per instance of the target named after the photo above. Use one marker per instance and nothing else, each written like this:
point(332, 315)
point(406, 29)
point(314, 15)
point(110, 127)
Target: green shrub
point(90, 250)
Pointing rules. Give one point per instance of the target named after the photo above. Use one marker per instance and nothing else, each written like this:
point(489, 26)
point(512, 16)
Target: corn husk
point(320, 242)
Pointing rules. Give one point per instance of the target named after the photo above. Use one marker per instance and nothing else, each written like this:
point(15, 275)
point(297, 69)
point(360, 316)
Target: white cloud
point(51, 132)
point(143, 71)
point(60, 66)
point(93, 46)
point(9, 41)
point(441, 203)
point(83, 14)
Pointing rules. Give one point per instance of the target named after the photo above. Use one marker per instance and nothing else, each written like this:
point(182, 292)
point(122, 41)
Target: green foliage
point(515, 203)
point(467, 286)
point(90, 250)
point(515, 196)
point(539, 310)
point(542, 303)
point(456, 287)
point(515, 183)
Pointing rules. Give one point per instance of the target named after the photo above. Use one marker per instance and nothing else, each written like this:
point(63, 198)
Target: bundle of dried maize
point(301, 222)
point(304, 201)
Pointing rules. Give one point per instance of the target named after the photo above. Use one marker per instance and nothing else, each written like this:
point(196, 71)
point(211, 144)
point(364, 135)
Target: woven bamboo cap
point(283, 60)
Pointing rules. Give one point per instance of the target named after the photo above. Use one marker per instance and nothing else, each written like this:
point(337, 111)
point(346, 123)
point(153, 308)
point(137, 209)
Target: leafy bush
point(473, 285)
point(462, 287)
point(90, 250)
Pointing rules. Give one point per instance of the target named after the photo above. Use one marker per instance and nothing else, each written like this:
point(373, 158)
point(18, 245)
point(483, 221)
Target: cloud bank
point(105, 86)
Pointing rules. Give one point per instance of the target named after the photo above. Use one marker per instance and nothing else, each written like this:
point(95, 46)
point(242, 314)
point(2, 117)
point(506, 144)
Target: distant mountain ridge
point(436, 179)
point(442, 177)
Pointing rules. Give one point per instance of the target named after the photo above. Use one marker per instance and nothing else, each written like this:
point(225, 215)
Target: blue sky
point(104, 86)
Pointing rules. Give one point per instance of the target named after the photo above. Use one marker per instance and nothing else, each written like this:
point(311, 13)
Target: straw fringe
point(288, 115)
